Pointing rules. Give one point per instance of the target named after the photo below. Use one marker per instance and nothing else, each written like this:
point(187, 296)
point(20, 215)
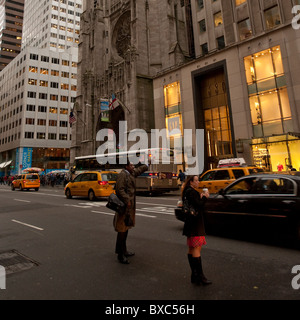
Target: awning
point(5, 164)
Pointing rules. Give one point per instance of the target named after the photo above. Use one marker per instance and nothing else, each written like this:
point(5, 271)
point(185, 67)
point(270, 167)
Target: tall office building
point(11, 22)
point(242, 88)
point(38, 89)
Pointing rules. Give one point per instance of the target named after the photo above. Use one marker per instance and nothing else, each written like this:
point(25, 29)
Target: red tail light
point(102, 183)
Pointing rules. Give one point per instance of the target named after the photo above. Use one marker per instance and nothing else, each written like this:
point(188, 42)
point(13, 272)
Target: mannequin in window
point(279, 167)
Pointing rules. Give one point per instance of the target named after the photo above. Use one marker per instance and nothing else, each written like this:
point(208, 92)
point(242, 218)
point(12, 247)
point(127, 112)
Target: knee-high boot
point(201, 279)
point(192, 266)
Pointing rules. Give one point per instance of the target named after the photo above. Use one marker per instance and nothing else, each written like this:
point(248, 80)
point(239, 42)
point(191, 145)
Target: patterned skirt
point(194, 242)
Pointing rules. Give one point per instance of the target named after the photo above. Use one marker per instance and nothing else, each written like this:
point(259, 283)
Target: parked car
point(258, 201)
point(219, 178)
point(26, 181)
point(92, 184)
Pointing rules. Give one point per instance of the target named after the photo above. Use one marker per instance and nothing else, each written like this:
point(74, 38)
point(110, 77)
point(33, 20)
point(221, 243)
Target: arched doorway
point(111, 121)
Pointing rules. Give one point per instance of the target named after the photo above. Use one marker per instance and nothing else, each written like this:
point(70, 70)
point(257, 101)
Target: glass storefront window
point(268, 96)
point(172, 99)
point(277, 153)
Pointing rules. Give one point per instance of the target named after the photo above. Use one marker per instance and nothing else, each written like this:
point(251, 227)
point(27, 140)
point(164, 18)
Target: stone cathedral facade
point(123, 45)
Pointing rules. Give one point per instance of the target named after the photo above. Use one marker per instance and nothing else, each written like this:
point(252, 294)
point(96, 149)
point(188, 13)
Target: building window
point(173, 116)
point(245, 30)
point(202, 26)
point(218, 19)
point(272, 18)
point(221, 43)
point(239, 2)
point(268, 96)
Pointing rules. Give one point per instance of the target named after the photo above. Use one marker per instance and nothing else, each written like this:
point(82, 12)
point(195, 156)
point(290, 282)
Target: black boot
point(201, 279)
point(192, 265)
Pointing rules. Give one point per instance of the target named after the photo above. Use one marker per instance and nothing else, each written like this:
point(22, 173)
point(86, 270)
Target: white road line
point(28, 225)
point(145, 215)
point(22, 200)
point(158, 211)
point(52, 195)
point(102, 212)
point(112, 214)
point(156, 204)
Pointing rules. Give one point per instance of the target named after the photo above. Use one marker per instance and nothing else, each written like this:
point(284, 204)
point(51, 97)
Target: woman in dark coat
point(125, 190)
point(194, 229)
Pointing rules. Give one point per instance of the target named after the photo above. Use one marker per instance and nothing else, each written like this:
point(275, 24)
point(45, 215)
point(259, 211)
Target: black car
point(260, 201)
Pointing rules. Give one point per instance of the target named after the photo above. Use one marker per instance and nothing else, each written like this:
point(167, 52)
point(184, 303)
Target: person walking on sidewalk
point(194, 229)
point(126, 191)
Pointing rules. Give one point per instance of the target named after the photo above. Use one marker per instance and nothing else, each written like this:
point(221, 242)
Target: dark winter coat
point(125, 190)
point(194, 225)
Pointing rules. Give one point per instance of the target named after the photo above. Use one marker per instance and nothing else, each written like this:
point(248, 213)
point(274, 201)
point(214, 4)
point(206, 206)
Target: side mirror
point(221, 192)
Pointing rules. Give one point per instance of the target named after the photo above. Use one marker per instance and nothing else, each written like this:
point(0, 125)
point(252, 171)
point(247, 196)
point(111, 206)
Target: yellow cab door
point(84, 184)
point(75, 185)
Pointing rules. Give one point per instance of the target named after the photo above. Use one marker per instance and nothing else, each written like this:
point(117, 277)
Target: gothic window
point(122, 34)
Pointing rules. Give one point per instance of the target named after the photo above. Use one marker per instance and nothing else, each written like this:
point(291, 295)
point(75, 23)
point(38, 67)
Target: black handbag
point(115, 204)
point(187, 208)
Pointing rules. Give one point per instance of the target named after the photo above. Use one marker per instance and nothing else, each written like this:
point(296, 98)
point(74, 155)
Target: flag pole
point(123, 105)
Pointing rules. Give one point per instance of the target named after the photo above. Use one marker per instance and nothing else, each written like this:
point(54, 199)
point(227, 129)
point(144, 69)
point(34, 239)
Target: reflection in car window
point(93, 177)
point(275, 186)
point(109, 176)
point(244, 186)
point(208, 176)
point(32, 177)
point(222, 175)
point(238, 173)
point(78, 178)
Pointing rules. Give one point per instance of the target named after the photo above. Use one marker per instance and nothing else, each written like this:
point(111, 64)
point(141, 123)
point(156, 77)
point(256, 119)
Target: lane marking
point(20, 200)
point(158, 210)
point(102, 212)
point(27, 225)
point(112, 214)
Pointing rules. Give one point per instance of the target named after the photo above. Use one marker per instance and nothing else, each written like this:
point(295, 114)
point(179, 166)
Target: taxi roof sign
point(234, 162)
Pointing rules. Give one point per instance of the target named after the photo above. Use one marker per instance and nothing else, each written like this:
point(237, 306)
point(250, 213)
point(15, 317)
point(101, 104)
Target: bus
point(160, 178)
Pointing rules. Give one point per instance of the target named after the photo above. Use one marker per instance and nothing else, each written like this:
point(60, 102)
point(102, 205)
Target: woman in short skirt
point(194, 229)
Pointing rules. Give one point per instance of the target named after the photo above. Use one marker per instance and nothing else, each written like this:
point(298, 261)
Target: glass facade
point(273, 146)
point(268, 97)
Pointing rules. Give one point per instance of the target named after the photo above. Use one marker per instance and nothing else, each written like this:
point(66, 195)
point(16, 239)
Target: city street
point(65, 250)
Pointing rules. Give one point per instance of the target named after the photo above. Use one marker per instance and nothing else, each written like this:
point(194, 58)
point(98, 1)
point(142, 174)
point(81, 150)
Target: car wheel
point(91, 195)
point(21, 188)
point(68, 194)
point(12, 187)
point(36, 189)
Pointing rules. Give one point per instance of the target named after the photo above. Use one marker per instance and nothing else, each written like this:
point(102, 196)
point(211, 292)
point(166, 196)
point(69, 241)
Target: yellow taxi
point(92, 184)
point(26, 181)
point(228, 171)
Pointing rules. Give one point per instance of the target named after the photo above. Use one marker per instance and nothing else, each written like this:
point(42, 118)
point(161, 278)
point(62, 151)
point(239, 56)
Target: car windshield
point(109, 176)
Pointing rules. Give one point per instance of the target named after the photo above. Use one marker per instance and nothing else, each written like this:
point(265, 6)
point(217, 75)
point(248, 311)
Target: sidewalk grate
point(14, 262)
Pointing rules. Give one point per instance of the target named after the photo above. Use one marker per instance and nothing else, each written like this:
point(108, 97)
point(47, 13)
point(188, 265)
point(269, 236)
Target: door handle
point(242, 201)
point(288, 202)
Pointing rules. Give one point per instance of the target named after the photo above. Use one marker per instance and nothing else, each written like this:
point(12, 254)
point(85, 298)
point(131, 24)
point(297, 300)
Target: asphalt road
point(66, 249)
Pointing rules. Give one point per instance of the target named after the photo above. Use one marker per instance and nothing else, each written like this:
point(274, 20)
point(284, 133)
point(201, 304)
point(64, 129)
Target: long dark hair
point(187, 184)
